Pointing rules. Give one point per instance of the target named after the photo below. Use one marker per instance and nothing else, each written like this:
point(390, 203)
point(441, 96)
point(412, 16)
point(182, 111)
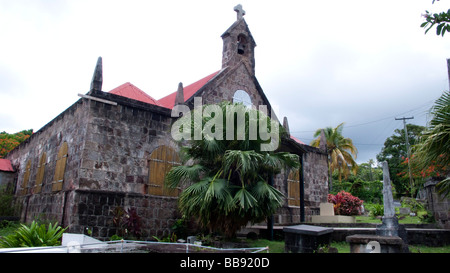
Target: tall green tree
point(395, 153)
point(434, 146)
point(341, 151)
point(226, 181)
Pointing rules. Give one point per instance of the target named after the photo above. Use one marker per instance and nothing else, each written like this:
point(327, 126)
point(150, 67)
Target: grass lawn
point(7, 228)
point(343, 247)
point(274, 246)
point(401, 220)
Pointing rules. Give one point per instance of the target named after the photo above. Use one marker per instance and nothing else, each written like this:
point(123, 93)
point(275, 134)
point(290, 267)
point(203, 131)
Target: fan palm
point(341, 151)
point(226, 185)
point(435, 141)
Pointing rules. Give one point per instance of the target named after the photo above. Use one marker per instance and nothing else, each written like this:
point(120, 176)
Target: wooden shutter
point(294, 188)
point(161, 161)
point(26, 178)
point(40, 173)
point(61, 160)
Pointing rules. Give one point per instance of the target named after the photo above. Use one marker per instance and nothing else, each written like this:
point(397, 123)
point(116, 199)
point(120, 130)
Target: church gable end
point(224, 88)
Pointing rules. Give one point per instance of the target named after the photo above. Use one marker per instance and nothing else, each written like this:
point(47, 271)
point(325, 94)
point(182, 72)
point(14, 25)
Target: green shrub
point(375, 209)
point(7, 207)
point(413, 204)
point(34, 235)
point(369, 191)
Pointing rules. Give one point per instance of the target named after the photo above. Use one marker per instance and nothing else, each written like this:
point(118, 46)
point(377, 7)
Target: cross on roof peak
point(240, 11)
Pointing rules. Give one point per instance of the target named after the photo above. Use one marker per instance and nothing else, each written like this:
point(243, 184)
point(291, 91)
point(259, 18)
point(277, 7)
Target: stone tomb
point(305, 238)
point(327, 215)
point(375, 244)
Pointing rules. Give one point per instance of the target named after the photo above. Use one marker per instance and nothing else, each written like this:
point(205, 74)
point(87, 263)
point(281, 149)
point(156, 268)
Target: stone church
point(113, 149)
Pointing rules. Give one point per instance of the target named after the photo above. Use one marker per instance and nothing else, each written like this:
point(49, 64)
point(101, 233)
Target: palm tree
point(341, 151)
point(434, 145)
point(226, 183)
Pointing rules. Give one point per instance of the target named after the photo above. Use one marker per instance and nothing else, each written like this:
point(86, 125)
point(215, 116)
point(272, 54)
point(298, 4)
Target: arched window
point(162, 159)
point(240, 96)
point(293, 182)
point(61, 160)
point(40, 173)
point(26, 177)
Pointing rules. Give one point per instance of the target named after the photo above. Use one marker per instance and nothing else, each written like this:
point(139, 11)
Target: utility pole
point(408, 150)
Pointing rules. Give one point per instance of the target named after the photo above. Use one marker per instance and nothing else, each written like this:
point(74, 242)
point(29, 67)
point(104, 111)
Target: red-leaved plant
point(345, 203)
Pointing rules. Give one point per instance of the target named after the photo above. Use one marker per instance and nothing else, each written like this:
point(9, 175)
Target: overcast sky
point(320, 62)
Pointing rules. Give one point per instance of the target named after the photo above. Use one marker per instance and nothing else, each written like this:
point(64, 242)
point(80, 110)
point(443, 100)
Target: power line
point(375, 121)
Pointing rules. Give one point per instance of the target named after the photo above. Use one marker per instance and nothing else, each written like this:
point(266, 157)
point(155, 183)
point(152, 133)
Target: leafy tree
point(341, 151)
point(434, 145)
point(366, 172)
point(442, 21)
point(394, 152)
point(10, 141)
point(227, 180)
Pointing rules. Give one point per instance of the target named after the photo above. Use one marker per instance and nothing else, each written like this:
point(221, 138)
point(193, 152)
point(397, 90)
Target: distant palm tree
point(341, 151)
point(434, 145)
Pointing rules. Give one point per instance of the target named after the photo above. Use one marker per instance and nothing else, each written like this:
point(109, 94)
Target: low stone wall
point(416, 236)
point(420, 234)
point(95, 211)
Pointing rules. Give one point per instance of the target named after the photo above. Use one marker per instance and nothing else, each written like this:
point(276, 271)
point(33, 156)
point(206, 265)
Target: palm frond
point(263, 190)
point(443, 187)
point(244, 199)
point(183, 174)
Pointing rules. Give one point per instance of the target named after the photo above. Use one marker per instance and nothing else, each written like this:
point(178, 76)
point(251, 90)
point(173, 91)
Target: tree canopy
point(394, 152)
point(10, 141)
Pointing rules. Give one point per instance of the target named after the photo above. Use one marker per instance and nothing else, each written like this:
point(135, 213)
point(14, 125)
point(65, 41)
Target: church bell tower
point(238, 43)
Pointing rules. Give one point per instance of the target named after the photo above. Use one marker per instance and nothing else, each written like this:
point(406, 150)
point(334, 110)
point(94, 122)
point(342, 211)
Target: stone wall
point(95, 212)
point(223, 86)
point(7, 179)
point(119, 141)
point(437, 204)
point(70, 127)
point(315, 175)
point(114, 169)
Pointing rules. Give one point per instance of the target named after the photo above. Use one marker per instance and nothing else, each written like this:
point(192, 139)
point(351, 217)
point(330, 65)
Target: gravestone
point(390, 226)
point(390, 236)
point(374, 244)
point(326, 209)
point(305, 238)
point(327, 215)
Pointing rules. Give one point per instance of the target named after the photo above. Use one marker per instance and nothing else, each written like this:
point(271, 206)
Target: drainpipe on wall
point(302, 192)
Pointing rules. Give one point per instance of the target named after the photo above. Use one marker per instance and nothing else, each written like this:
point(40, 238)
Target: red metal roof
point(5, 165)
point(130, 91)
point(188, 91)
point(297, 140)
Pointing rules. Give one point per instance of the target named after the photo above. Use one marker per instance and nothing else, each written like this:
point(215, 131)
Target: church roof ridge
point(131, 91)
point(190, 90)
